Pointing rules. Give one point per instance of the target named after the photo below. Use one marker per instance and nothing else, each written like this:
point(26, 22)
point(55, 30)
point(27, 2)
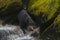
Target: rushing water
point(17, 35)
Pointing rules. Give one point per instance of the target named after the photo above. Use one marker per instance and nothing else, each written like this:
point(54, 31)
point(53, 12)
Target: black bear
point(25, 20)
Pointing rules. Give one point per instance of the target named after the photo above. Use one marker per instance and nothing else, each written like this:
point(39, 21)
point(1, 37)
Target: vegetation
point(6, 4)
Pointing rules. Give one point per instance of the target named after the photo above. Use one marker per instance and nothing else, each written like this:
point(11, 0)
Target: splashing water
point(18, 36)
point(7, 28)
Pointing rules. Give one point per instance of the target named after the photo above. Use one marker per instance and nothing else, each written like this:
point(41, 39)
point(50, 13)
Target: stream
point(11, 32)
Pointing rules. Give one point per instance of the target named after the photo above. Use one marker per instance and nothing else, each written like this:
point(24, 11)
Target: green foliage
point(48, 7)
point(6, 4)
